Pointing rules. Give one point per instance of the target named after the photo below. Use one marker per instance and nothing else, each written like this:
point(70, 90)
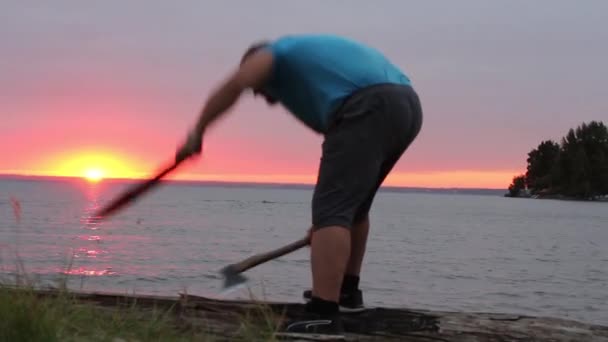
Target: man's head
point(249, 52)
point(253, 48)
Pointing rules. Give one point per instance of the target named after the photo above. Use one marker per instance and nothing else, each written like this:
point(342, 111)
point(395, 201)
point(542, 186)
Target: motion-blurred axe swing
point(132, 193)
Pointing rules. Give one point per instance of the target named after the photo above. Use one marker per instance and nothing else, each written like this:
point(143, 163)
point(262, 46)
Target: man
point(368, 113)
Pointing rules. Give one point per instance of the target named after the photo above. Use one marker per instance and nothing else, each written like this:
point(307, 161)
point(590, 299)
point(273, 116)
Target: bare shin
point(358, 238)
point(330, 251)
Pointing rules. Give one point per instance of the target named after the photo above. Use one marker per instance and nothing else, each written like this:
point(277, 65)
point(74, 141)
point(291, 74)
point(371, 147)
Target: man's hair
point(253, 48)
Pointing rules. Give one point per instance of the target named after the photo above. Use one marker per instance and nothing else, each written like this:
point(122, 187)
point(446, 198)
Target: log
point(223, 318)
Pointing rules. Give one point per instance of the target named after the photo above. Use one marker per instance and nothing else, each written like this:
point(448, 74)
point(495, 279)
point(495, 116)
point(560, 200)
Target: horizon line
point(226, 182)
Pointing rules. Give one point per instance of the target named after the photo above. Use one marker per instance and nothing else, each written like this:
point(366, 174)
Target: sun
point(93, 175)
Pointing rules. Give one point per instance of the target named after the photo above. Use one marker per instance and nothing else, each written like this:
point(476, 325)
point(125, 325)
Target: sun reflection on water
point(89, 252)
point(89, 272)
point(90, 249)
point(90, 237)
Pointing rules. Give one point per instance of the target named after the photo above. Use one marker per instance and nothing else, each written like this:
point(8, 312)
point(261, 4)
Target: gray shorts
point(369, 133)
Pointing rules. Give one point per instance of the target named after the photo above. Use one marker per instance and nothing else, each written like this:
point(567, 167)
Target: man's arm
point(251, 74)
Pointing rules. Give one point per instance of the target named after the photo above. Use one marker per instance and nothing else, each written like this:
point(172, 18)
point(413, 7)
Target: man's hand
point(192, 146)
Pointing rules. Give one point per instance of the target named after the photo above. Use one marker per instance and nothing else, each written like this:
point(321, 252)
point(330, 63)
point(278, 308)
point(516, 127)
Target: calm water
point(429, 251)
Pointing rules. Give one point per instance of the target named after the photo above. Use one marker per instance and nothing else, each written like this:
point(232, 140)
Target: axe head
point(232, 277)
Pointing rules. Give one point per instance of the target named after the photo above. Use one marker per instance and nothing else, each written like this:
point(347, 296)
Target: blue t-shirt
point(313, 74)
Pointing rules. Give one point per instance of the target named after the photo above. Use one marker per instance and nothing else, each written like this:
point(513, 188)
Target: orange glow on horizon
point(92, 165)
point(80, 167)
point(499, 179)
point(443, 179)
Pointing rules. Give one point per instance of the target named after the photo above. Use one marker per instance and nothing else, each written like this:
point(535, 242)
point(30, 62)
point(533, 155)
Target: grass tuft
point(28, 316)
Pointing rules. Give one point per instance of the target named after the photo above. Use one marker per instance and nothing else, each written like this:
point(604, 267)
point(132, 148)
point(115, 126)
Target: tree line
point(576, 168)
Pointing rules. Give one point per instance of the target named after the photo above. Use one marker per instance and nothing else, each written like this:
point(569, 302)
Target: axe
point(232, 273)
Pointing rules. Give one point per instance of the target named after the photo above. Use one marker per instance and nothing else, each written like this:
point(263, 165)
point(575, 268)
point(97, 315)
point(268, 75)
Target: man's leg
point(347, 173)
point(359, 234)
point(330, 251)
point(349, 283)
point(358, 242)
point(404, 116)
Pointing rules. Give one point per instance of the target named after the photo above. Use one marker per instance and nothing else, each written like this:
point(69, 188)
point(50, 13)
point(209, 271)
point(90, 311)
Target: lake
point(438, 250)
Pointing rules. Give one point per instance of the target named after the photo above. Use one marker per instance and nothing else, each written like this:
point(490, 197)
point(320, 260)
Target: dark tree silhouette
point(576, 168)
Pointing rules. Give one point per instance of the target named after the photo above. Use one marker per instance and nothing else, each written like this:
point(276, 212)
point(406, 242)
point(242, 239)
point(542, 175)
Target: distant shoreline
point(558, 197)
point(228, 184)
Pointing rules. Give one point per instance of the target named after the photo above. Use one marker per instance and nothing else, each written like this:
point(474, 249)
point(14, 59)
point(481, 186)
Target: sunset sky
point(110, 88)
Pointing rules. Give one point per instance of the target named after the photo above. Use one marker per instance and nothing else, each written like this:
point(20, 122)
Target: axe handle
point(134, 192)
point(257, 259)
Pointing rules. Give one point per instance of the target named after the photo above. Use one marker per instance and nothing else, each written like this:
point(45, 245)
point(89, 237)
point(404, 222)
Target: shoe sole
point(310, 337)
point(344, 309)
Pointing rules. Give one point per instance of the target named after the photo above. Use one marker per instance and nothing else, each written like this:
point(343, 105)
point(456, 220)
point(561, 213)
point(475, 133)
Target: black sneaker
point(313, 324)
point(349, 302)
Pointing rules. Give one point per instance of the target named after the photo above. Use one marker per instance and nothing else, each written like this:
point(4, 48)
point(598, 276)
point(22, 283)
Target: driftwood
point(224, 318)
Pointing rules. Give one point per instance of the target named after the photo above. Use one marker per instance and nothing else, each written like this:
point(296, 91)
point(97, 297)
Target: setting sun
point(92, 165)
point(93, 175)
